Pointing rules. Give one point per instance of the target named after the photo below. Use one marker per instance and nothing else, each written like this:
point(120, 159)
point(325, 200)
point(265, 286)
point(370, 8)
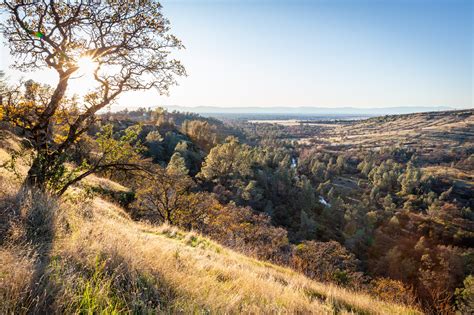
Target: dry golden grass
point(103, 184)
point(198, 274)
point(450, 172)
point(16, 272)
point(101, 260)
point(448, 129)
point(9, 143)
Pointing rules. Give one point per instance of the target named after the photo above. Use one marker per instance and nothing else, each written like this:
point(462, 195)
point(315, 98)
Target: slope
point(100, 260)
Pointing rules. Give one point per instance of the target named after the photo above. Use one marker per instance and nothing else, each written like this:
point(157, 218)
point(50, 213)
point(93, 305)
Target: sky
point(322, 53)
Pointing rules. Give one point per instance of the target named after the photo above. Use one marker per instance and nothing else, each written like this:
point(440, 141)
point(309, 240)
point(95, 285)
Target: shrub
point(465, 295)
point(244, 230)
point(328, 262)
point(392, 291)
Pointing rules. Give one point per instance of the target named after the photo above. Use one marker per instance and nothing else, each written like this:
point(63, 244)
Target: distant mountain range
point(308, 110)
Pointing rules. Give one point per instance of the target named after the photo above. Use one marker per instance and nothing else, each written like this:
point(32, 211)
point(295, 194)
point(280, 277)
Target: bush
point(246, 231)
point(392, 291)
point(465, 295)
point(327, 262)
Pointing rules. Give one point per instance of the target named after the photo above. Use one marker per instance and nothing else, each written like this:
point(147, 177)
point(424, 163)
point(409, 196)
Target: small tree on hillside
point(177, 165)
point(165, 196)
point(127, 43)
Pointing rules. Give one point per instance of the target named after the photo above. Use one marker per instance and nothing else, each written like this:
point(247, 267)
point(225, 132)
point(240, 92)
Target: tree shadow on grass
point(72, 283)
point(36, 211)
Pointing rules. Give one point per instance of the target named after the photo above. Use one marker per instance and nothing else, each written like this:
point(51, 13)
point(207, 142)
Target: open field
point(285, 122)
point(422, 130)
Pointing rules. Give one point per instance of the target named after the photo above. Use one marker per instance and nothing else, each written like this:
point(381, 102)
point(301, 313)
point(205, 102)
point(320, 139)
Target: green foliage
point(118, 147)
point(226, 161)
point(465, 295)
point(177, 165)
point(385, 176)
point(308, 227)
point(96, 294)
point(191, 156)
point(101, 286)
point(388, 204)
point(410, 180)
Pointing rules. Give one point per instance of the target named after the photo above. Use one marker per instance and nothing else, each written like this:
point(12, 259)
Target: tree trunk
point(39, 172)
point(37, 176)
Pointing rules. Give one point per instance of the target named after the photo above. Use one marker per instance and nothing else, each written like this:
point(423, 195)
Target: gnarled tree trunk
point(43, 162)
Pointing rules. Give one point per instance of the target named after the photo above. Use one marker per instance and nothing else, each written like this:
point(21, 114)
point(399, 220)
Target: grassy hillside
point(83, 254)
point(448, 129)
point(100, 260)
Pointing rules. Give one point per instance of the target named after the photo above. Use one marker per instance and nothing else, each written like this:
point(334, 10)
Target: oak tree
point(128, 44)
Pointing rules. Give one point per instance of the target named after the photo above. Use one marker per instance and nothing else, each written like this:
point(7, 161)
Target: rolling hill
point(427, 131)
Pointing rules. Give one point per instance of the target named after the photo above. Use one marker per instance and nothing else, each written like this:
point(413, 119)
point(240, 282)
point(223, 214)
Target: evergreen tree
point(227, 161)
point(388, 203)
point(410, 180)
point(308, 226)
point(177, 165)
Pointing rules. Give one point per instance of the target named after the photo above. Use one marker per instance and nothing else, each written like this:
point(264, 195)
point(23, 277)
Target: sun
point(87, 65)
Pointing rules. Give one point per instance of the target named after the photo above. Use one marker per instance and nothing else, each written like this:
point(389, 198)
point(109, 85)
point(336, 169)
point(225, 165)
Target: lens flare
point(87, 65)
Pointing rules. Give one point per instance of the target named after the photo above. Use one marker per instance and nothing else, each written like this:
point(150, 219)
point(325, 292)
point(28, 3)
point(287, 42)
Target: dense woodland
point(367, 219)
point(362, 218)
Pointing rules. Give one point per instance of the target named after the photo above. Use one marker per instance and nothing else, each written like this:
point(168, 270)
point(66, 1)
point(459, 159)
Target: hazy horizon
point(441, 107)
point(296, 111)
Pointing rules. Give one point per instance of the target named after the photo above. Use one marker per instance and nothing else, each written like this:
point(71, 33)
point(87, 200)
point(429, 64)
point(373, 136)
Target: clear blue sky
point(367, 53)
